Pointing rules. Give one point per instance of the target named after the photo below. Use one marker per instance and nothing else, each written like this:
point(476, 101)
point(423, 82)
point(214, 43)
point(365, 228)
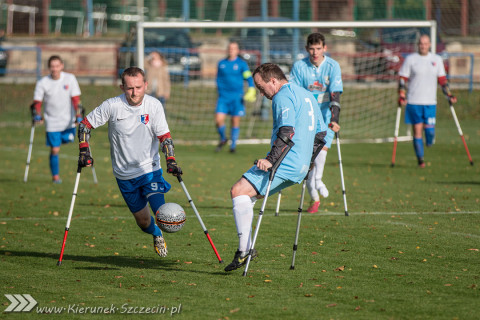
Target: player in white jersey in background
point(60, 94)
point(136, 129)
point(296, 119)
point(421, 71)
point(322, 76)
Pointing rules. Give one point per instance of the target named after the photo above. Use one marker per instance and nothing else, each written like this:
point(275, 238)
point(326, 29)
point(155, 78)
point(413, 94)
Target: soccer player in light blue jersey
point(322, 76)
point(295, 119)
point(232, 72)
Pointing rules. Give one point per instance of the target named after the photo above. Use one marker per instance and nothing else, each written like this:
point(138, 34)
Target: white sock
point(243, 214)
point(312, 190)
point(319, 166)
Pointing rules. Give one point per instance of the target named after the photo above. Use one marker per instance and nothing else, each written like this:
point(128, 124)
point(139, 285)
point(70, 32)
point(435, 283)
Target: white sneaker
point(323, 191)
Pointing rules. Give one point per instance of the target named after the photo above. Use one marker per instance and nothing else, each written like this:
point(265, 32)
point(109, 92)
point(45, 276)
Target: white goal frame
point(141, 25)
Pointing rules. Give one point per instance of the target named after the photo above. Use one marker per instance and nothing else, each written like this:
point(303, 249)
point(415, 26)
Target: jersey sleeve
point(285, 111)
point(336, 84)
point(405, 68)
point(39, 91)
point(247, 74)
point(440, 68)
point(75, 88)
point(159, 125)
point(101, 114)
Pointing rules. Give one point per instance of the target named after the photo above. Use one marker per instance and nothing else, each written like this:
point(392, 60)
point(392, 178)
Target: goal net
point(369, 54)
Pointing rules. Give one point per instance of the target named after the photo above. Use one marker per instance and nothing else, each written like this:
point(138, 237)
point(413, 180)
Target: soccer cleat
point(323, 191)
point(240, 259)
point(160, 246)
point(421, 163)
point(233, 150)
point(220, 145)
point(314, 207)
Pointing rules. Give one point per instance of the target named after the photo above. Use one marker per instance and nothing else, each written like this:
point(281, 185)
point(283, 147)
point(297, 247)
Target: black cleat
point(220, 145)
point(233, 151)
point(240, 259)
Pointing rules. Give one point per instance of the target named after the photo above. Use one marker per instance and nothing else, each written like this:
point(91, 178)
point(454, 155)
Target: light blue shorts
point(259, 181)
point(232, 107)
point(55, 139)
point(420, 114)
point(135, 191)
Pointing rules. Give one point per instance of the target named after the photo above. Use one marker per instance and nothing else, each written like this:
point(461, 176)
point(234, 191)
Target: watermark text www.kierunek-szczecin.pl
point(26, 303)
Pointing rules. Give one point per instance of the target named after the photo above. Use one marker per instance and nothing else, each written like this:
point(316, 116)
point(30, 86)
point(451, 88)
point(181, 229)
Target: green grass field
point(410, 248)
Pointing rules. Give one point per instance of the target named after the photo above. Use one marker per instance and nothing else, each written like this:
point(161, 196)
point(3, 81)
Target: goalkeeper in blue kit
point(231, 74)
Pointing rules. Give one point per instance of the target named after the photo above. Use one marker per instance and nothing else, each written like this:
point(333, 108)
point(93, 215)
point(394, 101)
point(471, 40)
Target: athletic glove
point(251, 95)
point(173, 168)
point(402, 100)
point(85, 159)
point(451, 99)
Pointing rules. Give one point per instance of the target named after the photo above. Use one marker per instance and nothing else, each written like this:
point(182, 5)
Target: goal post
point(369, 69)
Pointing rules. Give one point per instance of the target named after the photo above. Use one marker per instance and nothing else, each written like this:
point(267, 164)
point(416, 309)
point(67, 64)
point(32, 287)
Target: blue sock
point(418, 146)
point(54, 164)
point(221, 132)
point(156, 200)
point(153, 229)
point(235, 133)
point(430, 136)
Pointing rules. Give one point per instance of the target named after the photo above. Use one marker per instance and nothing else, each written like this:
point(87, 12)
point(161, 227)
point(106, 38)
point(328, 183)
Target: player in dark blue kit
point(231, 74)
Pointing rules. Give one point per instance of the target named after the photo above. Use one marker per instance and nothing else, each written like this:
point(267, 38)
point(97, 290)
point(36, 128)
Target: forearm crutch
point(273, 169)
point(277, 209)
point(395, 137)
point(69, 219)
point(300, 207)
point(341, 173)
point(93, 168)
point(461, 133)
point(198, 217)
point(29, 156)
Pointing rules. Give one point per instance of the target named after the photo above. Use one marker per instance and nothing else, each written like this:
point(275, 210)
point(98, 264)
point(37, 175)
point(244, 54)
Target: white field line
point(413, 225)
point(229, 216)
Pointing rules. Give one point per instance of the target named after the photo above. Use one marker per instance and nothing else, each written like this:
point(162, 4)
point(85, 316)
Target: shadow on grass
point(460, 182)
point(109, 262)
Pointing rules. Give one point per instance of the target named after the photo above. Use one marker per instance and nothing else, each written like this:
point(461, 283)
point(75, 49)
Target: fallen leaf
point(340, 268)
point(473, 249)
point(331, 305)
point(234, 310)
point(308, 295)
point(187, 262)
point(357, 308)
point(267, 280)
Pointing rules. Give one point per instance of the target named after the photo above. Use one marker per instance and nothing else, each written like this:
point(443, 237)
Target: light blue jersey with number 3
point(296, 107)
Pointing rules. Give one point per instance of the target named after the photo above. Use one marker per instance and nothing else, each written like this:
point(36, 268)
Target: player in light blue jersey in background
point(295, 119)
point(322, 76)
point(231, 74)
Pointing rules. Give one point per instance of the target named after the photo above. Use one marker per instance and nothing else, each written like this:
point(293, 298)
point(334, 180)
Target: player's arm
point(335, 109)
point(166, 144)
point(84, 130)
point(402, 91)
point(79, 111)
point(36, 109)
point(284, 138)
point(446, 90)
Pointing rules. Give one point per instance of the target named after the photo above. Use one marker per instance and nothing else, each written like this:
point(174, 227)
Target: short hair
point(316, 38)
point(52, 58)
point(268, 71)
point(132, 72)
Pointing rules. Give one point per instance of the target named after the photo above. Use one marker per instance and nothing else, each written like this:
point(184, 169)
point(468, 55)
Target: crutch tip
point(59, 263)
point(346, 214)
point(471, 163)
point(392, 165)
point(221, 261)
point(292, 267)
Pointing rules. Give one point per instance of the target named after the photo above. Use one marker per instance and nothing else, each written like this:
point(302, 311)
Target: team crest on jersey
point(144, 118)
point(434, 63)
point(316, 86)
point(65, 86)
point(326, 79)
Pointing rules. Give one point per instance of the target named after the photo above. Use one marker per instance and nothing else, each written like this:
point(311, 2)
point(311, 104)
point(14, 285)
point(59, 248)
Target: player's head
point(134, 85)
point(316, 48)
point(269, 78)
point(233, 50)
point(424, 44)
point(55, 65)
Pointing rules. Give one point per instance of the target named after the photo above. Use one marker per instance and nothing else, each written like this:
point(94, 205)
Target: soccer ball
point(170, 217)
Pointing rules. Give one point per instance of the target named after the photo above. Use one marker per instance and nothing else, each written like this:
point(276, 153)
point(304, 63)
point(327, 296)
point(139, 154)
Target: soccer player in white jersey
point(322, 76)
point(60, 94)
point(422, 70)
point(136, 129)
point(295, 119)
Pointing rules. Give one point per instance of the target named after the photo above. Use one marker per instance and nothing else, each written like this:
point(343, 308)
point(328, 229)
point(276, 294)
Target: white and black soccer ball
point(170, 217)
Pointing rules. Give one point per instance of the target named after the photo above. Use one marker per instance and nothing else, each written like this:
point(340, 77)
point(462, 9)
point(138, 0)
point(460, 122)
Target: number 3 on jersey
point(311, 113)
